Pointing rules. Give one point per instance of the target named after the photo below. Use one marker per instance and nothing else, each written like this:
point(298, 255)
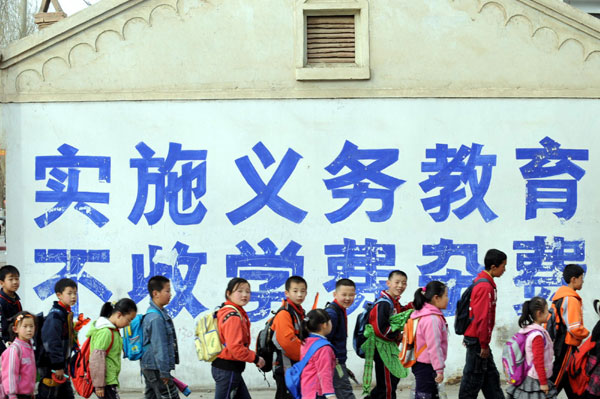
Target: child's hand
point(60, 374)
point(439, 378)
point(485, 353)
point(260, 363)
point(99, 392)
point(544, 389)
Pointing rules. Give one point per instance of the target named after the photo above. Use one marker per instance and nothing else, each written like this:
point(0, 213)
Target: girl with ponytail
point(317, 376)
point(106, 346)
point(539, 351)
point(431, 338)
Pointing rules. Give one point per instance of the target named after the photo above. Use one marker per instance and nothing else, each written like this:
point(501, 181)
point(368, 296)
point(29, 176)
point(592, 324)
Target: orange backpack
point(407, 356)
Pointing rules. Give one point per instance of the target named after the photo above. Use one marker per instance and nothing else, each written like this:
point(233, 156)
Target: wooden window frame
point(333, 71)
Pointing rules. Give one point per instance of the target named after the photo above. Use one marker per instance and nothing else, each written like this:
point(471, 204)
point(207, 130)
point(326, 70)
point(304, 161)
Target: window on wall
point(332, 40)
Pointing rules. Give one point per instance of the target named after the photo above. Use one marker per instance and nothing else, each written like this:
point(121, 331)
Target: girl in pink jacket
point(317, 377)
point(18, 360)
point(431, 339)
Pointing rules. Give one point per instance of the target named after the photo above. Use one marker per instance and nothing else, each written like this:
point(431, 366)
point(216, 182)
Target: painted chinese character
point(453, 171)
point(267, 194)
point(64, 185)
point(454, 278)
point(540, 264)
point(367, 265)
point(544, 193)
point(170, 185)
point(269, 268)
point(168, 264)
point(74, 261)
point(358, 179)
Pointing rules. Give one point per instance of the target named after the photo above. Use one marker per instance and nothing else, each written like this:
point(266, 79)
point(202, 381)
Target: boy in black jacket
point(344, 294)
point(10, 303)
point(58, 336)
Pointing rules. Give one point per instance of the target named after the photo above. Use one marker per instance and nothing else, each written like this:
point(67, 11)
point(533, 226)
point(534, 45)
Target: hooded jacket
point(105, 366)
point(432, 330)
point(572, 314)
point(18, 369)
point(317, 376)
point(483, 310)
point(548, 353)
point(234, 331)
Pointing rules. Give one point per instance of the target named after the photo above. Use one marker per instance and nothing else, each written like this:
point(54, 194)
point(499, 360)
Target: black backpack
point(556, 326)
point(265, 347)
point(462, 318)
point(38, 344)
point(362, 320)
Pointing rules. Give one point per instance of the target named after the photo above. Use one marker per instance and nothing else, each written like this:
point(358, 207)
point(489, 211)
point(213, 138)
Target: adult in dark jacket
point(58, 337)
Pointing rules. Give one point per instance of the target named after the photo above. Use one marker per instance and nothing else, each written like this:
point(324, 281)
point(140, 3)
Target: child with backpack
point(344, 294)
point(480, 372)
point(539, 353)
point(592, 366)
point(10, 303)
point(58, 337)
point(568, 310)
point(106, 346)
point(431, 339)
point(234, 331)
point(159, 342)
point(18, 361)
point(317, 376)
point(286, 332)
point(387, 305)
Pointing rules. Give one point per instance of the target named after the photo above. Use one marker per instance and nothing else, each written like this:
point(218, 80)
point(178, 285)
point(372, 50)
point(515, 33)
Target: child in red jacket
point(480, 372)
point(234, 331)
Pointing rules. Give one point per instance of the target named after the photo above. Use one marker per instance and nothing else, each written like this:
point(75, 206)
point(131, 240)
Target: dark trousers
point(386, 382)
point(425, 387)
point(62, 391)
point(282, 391)
point(156, 388)
point(479, 374)
point(560, 365)
point(229, 384)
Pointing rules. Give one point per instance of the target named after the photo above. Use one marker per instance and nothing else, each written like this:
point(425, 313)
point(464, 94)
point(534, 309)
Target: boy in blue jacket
point(58, 337)
point(344, 294)
point(10, 303)
point(160, 343)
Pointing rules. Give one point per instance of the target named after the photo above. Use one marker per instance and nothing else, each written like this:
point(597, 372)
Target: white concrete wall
point(317, 130)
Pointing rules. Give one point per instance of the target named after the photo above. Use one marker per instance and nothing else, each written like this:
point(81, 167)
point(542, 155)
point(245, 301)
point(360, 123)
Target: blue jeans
point(229, 384)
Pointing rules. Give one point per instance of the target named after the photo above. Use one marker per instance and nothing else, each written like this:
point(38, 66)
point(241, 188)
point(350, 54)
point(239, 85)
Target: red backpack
point(578, 378)
point(81, 376)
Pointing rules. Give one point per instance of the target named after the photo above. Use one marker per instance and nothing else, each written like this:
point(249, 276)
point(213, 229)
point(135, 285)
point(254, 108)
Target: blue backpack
point(361, 322)
point(133, 338)
point(293, 374)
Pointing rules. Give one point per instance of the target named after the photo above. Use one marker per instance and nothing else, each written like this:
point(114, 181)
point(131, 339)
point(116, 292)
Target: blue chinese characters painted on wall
point(64, 185)
point(269, 268)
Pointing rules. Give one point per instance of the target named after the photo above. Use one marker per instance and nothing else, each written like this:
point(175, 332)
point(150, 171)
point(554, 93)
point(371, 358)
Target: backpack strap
point(318, 344)
point(339, 313)
point(112, 340)
point(235, 312)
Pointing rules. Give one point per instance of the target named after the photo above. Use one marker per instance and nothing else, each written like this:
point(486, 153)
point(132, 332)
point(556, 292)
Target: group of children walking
point(294, 332)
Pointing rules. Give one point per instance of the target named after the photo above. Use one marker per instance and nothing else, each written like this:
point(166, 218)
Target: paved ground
point(451, 390)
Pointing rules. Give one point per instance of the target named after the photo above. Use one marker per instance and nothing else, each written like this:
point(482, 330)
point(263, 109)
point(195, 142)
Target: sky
point(73, 6)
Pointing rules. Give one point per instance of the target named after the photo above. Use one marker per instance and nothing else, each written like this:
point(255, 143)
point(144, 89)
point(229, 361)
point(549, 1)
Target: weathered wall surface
point(166, 49)
point(101, 238)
